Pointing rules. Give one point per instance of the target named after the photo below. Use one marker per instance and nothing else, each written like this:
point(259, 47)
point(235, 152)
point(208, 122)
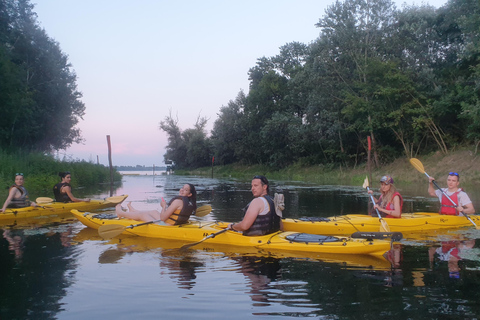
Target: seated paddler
point(63, 190)
point(390, 202)
point(260, 215)
point(178, 210)
point(17, 195)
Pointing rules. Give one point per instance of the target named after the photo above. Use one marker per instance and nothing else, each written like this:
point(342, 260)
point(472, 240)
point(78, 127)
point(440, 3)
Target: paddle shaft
point(453, 202)
point(213, 235)
point(373, 202)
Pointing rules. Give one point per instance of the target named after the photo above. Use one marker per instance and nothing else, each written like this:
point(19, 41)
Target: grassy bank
point(465, 162)
point(41, 173)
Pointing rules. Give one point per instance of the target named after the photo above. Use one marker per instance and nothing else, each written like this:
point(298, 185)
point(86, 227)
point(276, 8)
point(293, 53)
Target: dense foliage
point(409, 78)
point(39, 101)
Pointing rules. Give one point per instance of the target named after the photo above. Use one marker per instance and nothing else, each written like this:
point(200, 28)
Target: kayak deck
point(54, 208)
point(279, 241)
point(348, 224)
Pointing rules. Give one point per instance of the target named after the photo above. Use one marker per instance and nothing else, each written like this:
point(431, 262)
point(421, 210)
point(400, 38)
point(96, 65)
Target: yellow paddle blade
point(44, 200)
point(203, 210)
point(365, 182)
point(116, 199)
point(109, 231)
point(417, 164)
point(384, 226)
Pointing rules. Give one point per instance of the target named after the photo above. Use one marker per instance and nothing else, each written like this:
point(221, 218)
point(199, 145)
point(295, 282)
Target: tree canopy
point(39, 101)
point(408, 78)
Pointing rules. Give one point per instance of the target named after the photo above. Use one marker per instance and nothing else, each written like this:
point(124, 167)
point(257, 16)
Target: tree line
point(39, 101)
point(407, 78)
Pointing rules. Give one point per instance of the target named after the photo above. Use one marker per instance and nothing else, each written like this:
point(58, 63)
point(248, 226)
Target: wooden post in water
point(110, 164)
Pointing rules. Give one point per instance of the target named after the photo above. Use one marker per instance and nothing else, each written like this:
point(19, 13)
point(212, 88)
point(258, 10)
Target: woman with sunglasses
point(17, 195)
point(390, 202)
point(455, 193)
point(63, 189)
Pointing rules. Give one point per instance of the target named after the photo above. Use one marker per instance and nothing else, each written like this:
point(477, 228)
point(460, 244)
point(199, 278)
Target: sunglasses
point(19, 174)
point(453, 174)
point(262, 178)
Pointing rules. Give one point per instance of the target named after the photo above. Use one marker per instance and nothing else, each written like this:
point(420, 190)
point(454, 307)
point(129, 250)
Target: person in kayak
point(464, 204)
point(390, 202)
point(179, 209)
point(63, 189)
point(17, 195)
point(260, 215)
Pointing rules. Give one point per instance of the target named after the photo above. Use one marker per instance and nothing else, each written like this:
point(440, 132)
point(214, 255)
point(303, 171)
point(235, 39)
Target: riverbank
point(437, 165)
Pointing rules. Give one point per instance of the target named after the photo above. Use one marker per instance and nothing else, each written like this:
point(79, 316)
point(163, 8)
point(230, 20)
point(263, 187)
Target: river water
point(56, 268)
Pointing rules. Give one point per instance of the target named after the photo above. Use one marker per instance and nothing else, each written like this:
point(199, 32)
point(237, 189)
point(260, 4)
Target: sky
point(138, 62)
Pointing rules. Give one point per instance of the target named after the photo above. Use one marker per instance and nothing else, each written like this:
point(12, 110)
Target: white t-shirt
point(462, 197)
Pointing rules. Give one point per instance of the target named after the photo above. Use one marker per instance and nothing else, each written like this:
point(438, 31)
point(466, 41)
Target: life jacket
point(22, 201)
point(446, 205)
point(61, 196)
point(390, 206)
point(264, 224)
point(181, 216)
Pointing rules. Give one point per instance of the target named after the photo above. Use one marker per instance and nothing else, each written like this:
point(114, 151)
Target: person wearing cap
point(260, 215)
point(390, 202)
point(454, 192)
point(17, 195)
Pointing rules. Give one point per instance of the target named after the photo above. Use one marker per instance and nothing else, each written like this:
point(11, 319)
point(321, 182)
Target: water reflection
point(450, 252)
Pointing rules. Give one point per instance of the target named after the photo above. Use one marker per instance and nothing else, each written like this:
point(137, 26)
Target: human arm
point(431, 189)
point(397, 212)
point(255, 207)
point(166, 212)
point(68, 191)
point(11, 195)
point(467, 209)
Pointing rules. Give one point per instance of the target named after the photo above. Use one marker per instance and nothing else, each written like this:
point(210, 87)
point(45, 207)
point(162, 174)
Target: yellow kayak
point(348, 224)
point(196, 231)
point(126, 243)
point(46, 208)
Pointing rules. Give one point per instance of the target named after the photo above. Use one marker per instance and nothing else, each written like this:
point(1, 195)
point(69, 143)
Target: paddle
point(114, 199)
point(213, 235)
point(109, 231)
point(395, 236)
point(383, 224)
point(417, 164)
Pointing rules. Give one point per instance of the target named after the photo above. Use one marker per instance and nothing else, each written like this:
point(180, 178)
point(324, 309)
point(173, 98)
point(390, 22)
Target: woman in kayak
point(63, 189)
point(390, 202)
point(17, 195)
point(177, 212)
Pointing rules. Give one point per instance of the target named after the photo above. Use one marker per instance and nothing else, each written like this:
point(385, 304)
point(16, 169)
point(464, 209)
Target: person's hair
point(63, 174)
point(264, 181)
point(193, 197)
point(454, 174)
point(388, 196)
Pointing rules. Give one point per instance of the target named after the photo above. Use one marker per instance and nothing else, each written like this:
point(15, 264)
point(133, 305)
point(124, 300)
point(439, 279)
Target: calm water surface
point(56, 268)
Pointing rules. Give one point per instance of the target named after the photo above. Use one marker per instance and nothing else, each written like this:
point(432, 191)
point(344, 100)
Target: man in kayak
point(459, 197)
point(260, 215)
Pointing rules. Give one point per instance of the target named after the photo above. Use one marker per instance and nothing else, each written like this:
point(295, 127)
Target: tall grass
point(41, 173)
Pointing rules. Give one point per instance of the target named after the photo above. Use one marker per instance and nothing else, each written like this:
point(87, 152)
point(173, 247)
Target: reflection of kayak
point(34, 222)
point(276, 242)
point(126, 243)
point(348, 224)
point(54, 208)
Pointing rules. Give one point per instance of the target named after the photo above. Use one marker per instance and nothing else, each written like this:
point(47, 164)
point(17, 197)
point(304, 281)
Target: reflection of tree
point(35, 277)
point(260, 271)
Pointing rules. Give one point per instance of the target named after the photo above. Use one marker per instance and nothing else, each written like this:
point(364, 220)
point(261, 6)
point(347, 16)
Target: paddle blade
point(116, 199)
point(44, 200)
point(109, 231)
point(417, 164)
point(384, 226)
point(365, 182)
point(203, 210)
